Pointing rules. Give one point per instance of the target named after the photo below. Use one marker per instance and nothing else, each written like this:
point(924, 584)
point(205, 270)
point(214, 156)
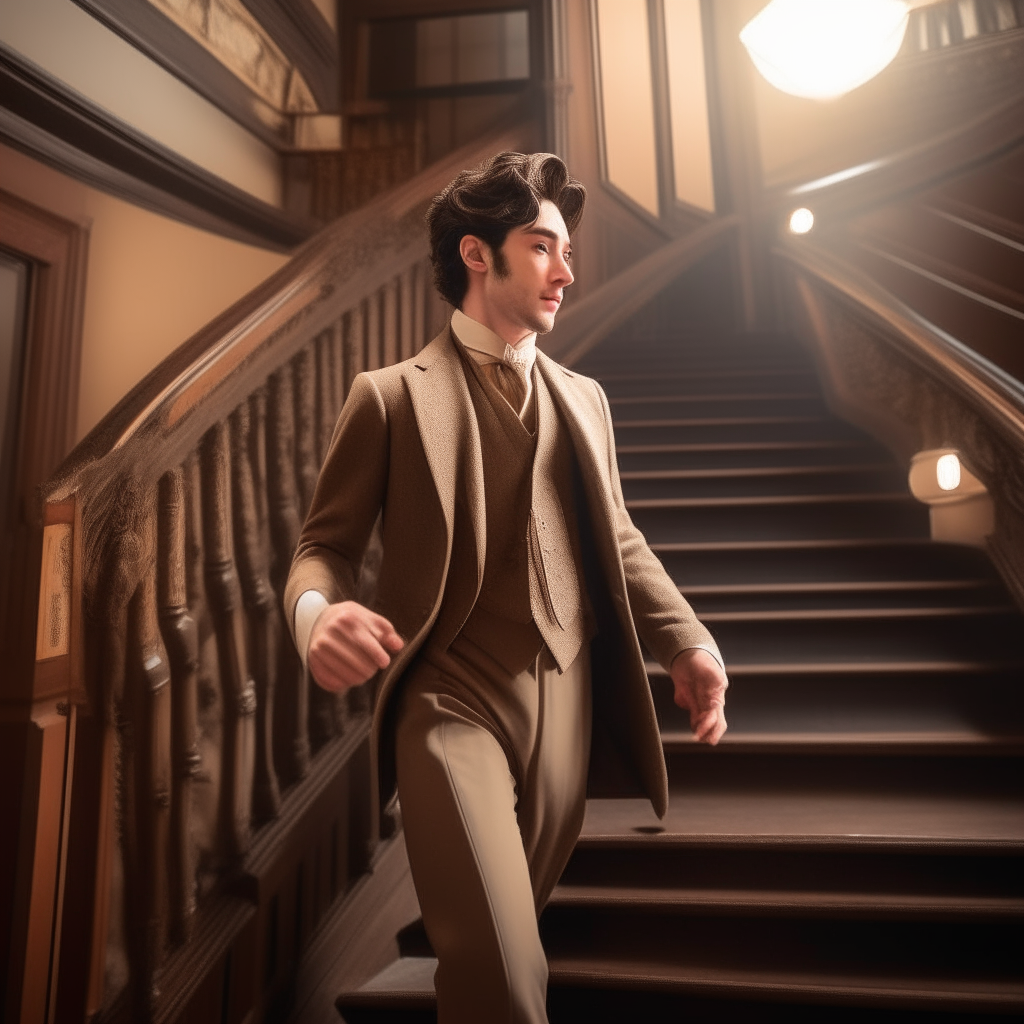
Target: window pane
point(688, 102)
point(472, 48)
point(627, 99)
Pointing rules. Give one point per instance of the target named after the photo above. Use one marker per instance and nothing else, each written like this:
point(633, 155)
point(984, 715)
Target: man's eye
point(542, 247)
point(568, 256)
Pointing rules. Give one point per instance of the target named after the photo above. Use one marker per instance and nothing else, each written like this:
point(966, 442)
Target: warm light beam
point(820, 49)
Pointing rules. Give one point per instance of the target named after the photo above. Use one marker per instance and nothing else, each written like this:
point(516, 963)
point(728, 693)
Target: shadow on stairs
point(854, 848)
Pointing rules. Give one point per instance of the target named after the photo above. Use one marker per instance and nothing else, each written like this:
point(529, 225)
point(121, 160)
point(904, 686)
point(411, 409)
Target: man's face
point(533, 272)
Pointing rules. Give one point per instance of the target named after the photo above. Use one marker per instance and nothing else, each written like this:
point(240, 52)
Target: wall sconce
point(959, 505)
point(820, 49)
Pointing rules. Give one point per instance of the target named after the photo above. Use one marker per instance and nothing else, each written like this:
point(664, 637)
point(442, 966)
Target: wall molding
point(307, 40)
point(45, 119)
point(154, 34)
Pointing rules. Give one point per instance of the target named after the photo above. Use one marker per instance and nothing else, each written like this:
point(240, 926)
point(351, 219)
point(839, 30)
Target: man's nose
point(563, 272)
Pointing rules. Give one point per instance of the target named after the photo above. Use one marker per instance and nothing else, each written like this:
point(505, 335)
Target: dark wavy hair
point(490, 200)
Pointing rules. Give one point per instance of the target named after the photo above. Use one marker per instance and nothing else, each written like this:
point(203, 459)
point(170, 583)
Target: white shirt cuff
point(307, 610)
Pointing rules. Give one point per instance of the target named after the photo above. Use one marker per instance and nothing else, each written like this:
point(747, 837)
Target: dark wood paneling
point(52, 123)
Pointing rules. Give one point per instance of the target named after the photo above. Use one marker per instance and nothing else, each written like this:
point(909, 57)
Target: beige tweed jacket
point(407, 447)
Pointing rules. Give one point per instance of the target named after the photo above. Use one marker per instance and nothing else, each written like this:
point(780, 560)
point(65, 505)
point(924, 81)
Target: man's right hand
point(348, 644)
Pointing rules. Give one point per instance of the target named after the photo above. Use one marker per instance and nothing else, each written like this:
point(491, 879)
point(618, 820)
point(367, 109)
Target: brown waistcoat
point(530, 592)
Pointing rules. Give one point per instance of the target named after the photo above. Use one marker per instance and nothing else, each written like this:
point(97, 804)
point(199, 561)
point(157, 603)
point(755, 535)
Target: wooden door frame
point(36, 716)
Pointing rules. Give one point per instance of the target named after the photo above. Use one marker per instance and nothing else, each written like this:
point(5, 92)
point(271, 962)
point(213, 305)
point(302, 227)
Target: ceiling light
point(820, 49)
point(801, 221)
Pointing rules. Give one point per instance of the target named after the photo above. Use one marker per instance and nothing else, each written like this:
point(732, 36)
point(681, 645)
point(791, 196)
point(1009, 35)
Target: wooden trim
point(154, 34)
point(57, 126)
point(306, 40)
point(57, 251)
point(593, 318)
point(662, 107)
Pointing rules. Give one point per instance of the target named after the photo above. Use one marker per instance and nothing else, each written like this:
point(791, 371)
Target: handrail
point(588, 322)
point(997, 396)
point(183, 507)
point(911, 384)
point(344, 262)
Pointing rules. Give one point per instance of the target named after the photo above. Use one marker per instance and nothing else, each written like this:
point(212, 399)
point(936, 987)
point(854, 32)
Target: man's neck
point(483, 313)
point(476, 335)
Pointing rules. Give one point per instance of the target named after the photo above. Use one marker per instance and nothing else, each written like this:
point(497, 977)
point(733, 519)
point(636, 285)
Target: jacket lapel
point(450, 436)
point(584, 428)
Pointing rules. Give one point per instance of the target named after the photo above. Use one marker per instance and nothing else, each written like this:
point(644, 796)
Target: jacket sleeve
point(348, 497)
point(664, 620)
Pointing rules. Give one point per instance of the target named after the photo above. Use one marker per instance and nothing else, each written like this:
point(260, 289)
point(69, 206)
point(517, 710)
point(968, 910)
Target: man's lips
point(556, 299)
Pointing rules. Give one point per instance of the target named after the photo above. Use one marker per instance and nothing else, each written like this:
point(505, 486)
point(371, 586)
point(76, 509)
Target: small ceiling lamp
point(820, 49)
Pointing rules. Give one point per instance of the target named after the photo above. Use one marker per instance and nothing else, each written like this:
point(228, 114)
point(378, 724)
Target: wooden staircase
point(854, 848)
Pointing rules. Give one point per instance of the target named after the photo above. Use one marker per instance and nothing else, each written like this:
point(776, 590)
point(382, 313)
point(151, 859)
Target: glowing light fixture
point(801, 221)
point(820, 49)
point(947, 472)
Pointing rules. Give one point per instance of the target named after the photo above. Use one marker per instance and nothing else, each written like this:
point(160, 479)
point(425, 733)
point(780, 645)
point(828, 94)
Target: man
point(510, 567)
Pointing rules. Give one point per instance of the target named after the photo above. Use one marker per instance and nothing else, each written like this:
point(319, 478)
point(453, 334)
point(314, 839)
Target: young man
point(510, 584)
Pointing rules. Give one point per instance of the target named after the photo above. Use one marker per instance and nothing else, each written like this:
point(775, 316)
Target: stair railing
point(910, 384)
point(182, 510)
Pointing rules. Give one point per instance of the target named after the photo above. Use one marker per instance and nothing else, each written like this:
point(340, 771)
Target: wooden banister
point(188, 501)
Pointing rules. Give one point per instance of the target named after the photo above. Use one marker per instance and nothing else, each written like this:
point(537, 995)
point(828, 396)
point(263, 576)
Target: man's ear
point(475, 253)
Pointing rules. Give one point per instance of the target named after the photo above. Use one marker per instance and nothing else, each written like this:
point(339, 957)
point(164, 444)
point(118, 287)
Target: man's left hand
point(700, 685)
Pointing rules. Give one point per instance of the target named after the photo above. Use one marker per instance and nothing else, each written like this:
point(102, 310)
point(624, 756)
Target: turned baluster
point(307, 465)
point(146, 768)
point(354, 344)
point(238, 692)
point(291, 731)
point(181, 641)
point(405, 303)
point(326, 408)
point(419, 305)
point(321, 703)
point(260, 603)
point(110, 590)
point(336, 349)
point(374, 348)
point(389, 325)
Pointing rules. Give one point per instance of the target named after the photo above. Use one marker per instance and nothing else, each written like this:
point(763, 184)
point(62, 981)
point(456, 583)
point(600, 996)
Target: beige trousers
point(492, 772)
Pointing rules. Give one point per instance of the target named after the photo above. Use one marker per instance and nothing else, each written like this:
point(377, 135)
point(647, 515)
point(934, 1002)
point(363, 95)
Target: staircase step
point(863, 814)
point(614, 989)
point(885, 743)
point(873, 713)
point(840, 561)
point(761, 482)
point(735, 430)
point(783, 519)
point(786, 903)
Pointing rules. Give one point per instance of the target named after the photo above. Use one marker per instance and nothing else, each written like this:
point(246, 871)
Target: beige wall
point(152, 282)
point(75, 48)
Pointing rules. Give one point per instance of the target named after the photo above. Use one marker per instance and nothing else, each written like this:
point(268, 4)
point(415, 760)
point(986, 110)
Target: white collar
point(478, 338)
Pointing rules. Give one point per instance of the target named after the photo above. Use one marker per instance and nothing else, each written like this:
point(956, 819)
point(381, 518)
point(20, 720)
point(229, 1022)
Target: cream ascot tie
point(510, 378)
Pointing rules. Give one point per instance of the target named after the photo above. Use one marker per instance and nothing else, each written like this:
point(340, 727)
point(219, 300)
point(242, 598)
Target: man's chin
point(543, 323)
